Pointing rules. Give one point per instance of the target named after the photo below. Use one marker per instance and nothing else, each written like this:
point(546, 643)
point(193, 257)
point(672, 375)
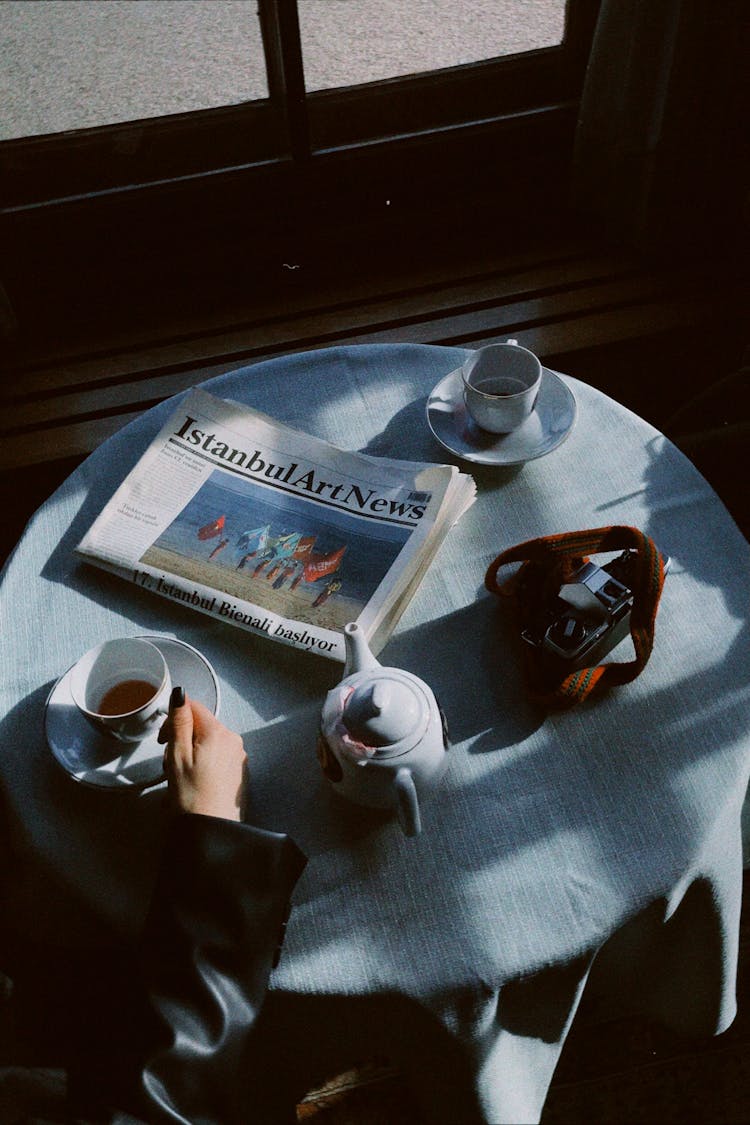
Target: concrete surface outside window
point(74, 64)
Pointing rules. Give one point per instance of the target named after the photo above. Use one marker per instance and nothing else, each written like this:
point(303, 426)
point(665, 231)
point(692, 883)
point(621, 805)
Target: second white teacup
point(122, 688)
point(501, 385)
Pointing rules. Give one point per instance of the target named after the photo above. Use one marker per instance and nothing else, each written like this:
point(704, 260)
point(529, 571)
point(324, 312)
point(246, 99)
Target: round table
point(606, 836)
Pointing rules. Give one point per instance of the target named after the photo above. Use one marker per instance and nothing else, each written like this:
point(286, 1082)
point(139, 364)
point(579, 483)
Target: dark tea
point(500, 386)
point(126, 696)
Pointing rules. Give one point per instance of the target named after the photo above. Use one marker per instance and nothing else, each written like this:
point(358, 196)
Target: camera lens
point(568, 633)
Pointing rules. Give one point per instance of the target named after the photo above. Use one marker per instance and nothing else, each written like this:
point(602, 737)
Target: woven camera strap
point(550, 562)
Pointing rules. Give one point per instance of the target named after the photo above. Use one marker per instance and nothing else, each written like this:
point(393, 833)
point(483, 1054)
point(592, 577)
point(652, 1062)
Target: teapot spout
point(358, 655)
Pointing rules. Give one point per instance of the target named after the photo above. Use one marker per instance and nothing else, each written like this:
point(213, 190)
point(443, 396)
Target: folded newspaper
point(263, 526)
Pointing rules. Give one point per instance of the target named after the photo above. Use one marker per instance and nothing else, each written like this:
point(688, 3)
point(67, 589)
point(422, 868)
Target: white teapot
point(383, 738)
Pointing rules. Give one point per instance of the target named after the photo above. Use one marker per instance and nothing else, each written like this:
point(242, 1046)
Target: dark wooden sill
point(649, 333)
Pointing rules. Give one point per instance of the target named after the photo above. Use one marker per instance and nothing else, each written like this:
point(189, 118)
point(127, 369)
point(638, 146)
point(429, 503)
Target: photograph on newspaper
point(301, 561)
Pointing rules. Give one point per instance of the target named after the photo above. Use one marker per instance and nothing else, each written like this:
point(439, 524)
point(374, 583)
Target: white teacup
point(122, 687)
point(501, 385)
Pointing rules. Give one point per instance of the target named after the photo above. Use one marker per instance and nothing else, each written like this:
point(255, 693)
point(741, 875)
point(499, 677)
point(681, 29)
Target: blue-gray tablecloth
point(608, 835)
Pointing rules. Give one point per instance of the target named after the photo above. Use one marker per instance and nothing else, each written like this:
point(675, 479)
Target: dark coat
point(172, 1036)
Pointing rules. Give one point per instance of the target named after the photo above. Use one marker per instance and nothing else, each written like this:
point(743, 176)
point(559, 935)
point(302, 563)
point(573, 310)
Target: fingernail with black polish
point(177, 698)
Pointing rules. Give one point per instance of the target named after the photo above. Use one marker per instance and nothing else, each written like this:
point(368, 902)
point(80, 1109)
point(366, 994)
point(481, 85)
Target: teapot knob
point(369, 703)
point(382, 712)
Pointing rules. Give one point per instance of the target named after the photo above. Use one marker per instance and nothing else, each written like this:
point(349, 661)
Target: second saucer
point(545, 429)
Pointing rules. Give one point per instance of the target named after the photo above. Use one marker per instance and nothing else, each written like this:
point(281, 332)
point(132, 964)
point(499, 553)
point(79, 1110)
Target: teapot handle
point(407, 803)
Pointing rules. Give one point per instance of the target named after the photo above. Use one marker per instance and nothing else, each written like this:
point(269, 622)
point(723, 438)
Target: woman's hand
point(205, 763)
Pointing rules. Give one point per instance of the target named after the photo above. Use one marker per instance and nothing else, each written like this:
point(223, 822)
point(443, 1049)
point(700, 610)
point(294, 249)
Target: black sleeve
point(212, 934)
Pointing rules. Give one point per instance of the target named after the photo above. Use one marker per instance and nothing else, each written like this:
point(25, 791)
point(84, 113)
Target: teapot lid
point(383, 711)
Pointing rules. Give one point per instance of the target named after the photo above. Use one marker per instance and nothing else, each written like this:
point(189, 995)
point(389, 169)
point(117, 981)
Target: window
point(313, 143)
point(346, 44)
point(85, 64)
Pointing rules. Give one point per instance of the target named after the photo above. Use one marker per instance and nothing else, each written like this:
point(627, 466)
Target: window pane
point(346, 42)
point(74, 64)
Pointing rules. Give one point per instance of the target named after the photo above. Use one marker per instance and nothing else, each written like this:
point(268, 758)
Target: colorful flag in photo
point(320, 565)
point(248, 538)
point(304, 547)
point(210, 530)
point(286, 545)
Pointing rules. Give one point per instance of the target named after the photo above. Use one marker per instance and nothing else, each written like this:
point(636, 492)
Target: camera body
point(587, 618)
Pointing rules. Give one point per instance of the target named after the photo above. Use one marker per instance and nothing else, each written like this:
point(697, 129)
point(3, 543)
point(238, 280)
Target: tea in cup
point(122, 688)
point(501, 385)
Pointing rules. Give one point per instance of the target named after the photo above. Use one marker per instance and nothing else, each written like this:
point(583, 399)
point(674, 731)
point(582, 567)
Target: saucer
point(544, 429)
point(93, 758)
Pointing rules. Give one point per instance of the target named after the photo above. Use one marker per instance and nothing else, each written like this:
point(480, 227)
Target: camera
point(586, 619)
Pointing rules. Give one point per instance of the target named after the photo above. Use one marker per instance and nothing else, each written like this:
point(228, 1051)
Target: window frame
point(291, 123)
point(293, 174)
